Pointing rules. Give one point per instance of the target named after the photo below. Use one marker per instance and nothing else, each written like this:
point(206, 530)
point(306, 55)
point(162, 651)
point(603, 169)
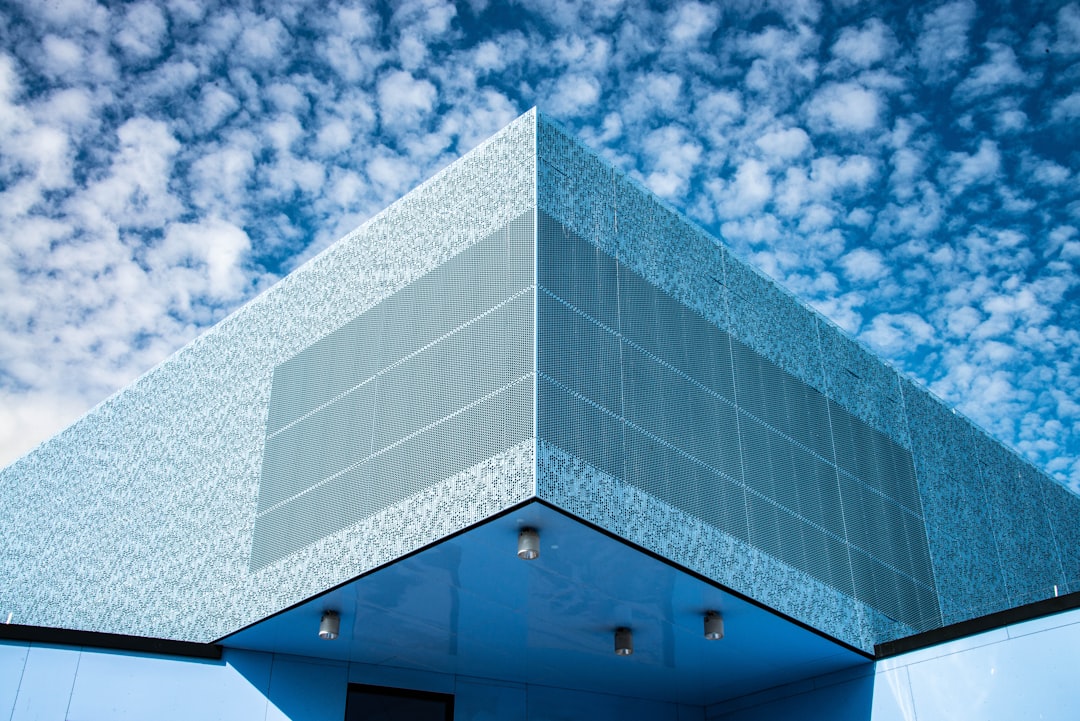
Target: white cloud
point(794, 190)
point(188, 11)
point(785, 63)
point(1046, 172)
point(755, 230)
point(590, 54)
point(404, 100)
point(748, 191)
point(864, 265)
point(202, 259)
point(719, 107)
point(487, 56)
point(692, 22)
point(1066, 109)
point(865, 45)
point(783, 144)
point(673, 156)
point(221, 176)
point(964, 170)
point(842, 309)
point(860, 217)
point(661, 92)
point(943, 43)
point(1068, 30)
point(893, 334)
point(963, 320)
point(353, 59)
point(832, 174)
point(412, 51)
point(142, 32)
point(262, 42)
point(573, 95)
point(86, 14)
point(1063, 239)
point(1001, 70)
point(136, 192)
point(333, 137)
point(391, 171)
point(845, 107)
point(427, 18)
point(486, 111)
point(816, 217)
point(286, 97)
point(216, 105)
point(1010, 120)
point(60, 56)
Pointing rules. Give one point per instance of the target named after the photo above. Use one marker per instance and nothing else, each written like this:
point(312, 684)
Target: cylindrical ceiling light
point(329, 626)
point(624, 641)
point(714, 625)
point(528, 544)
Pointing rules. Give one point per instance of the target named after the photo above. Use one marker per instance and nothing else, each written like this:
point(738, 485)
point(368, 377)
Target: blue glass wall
point(1021, 671)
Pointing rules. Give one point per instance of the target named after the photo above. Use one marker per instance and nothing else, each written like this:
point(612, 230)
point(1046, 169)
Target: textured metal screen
point(645, 389)
point(432, 380)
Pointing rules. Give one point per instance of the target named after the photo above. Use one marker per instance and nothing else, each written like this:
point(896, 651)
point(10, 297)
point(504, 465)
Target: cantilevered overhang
point(468, 606)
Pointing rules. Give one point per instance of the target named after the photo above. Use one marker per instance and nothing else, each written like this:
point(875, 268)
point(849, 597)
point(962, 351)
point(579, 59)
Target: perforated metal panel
point(647, 390)
point(432, 380)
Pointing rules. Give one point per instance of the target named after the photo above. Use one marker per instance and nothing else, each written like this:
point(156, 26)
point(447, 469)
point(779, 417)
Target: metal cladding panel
point(919, 517)
point(140, 518)
point(738, 442)
point(452, 386)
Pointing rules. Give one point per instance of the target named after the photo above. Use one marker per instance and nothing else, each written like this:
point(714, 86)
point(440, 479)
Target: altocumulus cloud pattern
point(910, 170)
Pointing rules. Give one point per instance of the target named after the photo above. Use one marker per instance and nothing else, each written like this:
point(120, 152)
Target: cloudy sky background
point(909, 171)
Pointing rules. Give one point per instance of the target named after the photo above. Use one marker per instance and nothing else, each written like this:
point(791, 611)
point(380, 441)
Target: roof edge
point(974, 626)
point(110, 641)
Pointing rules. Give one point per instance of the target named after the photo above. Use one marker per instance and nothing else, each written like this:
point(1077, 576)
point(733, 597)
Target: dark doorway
point(379, 703)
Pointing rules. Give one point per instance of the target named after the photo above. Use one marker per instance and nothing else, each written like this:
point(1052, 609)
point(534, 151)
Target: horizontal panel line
point(631, 424)
point(479, 401)
point(748, 489)
point(866, 554)
point(403, 359)
point(693, 381)
point(881, 494)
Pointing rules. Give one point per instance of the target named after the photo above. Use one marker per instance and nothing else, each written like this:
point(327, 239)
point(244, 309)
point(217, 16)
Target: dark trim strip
point(990, 622)
point(112, 641)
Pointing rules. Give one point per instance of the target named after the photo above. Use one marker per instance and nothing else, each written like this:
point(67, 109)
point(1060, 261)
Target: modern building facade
point(529, 342)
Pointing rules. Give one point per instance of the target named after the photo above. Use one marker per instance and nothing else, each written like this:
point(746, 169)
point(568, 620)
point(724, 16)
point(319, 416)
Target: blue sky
point(910, 171)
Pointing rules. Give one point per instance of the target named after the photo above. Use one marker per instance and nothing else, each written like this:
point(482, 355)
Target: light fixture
point(624, 641)
point(329, 626)
point(714, 625)
point(528, 544)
